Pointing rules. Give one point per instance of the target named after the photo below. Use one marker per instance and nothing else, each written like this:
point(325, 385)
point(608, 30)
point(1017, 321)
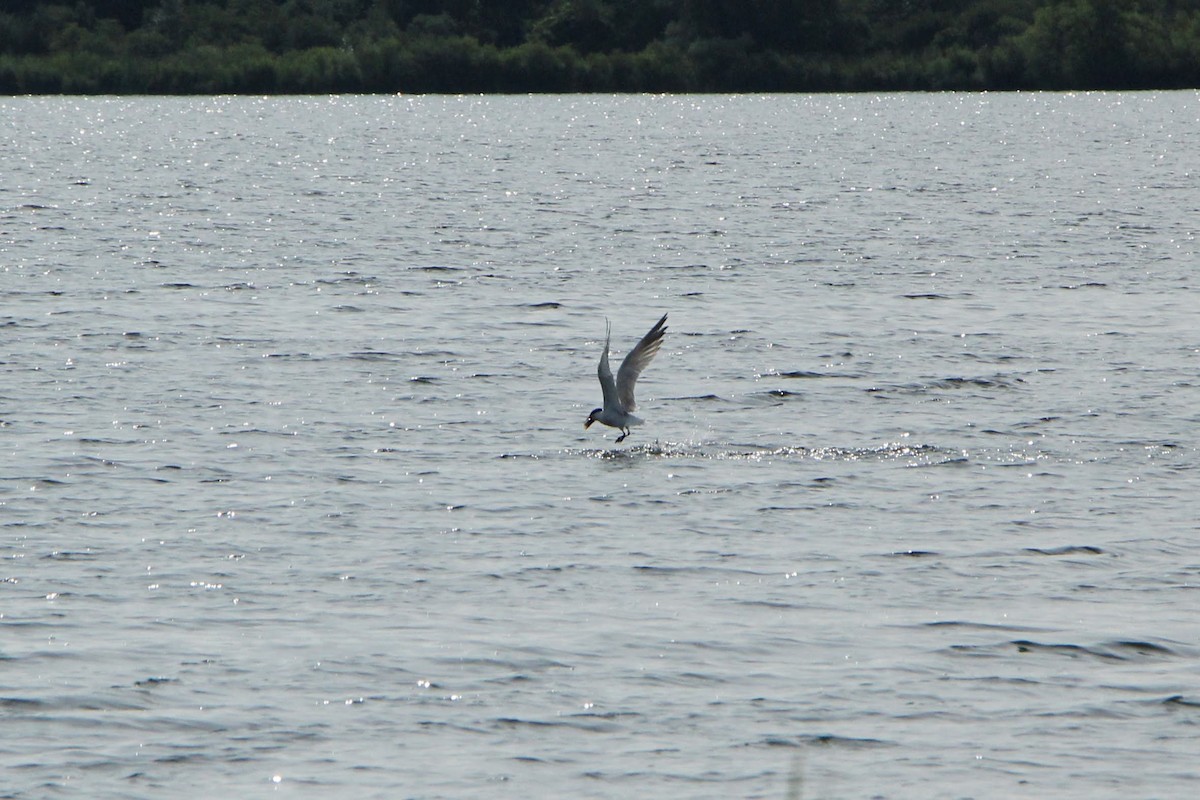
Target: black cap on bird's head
point(592, 417)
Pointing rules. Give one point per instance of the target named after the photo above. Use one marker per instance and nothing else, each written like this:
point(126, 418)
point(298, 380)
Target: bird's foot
point(621, 438)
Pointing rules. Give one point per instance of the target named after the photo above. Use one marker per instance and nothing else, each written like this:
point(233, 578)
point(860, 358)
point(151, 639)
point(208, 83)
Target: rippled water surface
point(296, 497)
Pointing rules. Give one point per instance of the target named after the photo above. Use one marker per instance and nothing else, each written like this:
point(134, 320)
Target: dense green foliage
point(268, 46)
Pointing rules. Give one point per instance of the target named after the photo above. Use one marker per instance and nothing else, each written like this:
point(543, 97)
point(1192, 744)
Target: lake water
point(296, 498)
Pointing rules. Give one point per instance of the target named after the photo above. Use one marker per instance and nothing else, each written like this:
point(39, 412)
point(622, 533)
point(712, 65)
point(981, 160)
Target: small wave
point(290, 356)
point(70, 555)
point(591, 723)
point(373, 355)
point(704, 397)
point(685, 267)
point(23, 704)
point(154, 681)
point(448, 354)
point(239, 432)
point(347, 277)
point(799, 373)
point(952, 382)
point(1119, 650)
point(916, 454)
point(656, 449)
point(994, 382)
point(1066, 550)
point(1116, 651)
point(983, 626)
point(825, 740)
point(893, 451)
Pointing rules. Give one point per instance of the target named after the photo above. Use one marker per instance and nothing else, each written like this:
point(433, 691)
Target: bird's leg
point(624, 433)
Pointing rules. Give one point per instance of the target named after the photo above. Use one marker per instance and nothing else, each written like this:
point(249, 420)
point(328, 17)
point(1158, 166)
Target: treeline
point(414, 46)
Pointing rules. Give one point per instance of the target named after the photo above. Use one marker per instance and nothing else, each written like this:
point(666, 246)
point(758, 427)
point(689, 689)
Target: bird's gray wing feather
point(604, 372)
point(636, 361)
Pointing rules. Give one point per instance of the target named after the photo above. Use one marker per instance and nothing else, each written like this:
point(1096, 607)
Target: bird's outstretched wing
point(607, 384)
point(636, 361)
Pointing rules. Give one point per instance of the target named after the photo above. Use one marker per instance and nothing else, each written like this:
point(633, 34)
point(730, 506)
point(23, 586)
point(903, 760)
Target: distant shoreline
point(186, 47)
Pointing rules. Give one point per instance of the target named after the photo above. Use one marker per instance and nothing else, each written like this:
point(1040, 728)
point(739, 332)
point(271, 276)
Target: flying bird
point(619, 404)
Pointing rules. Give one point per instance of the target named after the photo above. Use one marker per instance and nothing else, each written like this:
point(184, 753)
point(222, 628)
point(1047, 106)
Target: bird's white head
point(592, 417)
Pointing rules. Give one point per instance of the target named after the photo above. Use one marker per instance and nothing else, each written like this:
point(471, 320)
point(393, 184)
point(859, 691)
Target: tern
point(619, 404)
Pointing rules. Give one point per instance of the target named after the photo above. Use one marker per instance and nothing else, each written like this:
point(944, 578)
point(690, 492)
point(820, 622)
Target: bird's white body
point(619, 404)
point(615, 418)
